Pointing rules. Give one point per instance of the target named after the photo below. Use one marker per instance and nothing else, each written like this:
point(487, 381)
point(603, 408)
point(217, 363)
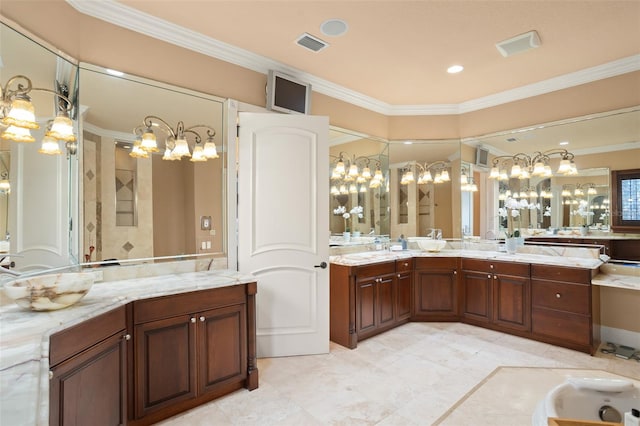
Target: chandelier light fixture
point(176, 144)
point(524, 166)
point(436, 172)
point(18, 117)
point(351, 174)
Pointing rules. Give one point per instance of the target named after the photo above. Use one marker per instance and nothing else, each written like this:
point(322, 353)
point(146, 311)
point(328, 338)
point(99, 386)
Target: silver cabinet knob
point(491, 266)
point(127, 337)
point(455, 272)
point(202, 319)
point(558, 295)
point(193, 320)
point(406, 264)
point(489, 276)
point(398, 275)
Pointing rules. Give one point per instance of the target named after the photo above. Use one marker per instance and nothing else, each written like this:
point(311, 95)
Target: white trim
point(135, 20)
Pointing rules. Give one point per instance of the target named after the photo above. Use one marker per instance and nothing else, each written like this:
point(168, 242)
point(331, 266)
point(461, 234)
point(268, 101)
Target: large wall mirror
point(425, 188)
point(359, 186)
point(574, 202)
point(149, 203)
point(37, 201)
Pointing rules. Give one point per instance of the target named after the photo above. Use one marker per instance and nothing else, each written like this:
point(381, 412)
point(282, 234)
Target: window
point(625, 197)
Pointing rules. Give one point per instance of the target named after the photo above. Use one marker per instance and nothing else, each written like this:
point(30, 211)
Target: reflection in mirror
point(556, 202)
point(359, 186)
point(143, 199)
point(423, 174)
point(5, 192)
point(38, 215)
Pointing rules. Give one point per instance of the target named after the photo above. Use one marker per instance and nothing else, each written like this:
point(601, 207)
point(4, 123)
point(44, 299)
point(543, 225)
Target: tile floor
point(446, 374)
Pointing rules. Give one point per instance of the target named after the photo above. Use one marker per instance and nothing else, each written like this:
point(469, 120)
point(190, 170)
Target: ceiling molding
point(135, 20)
point(607, 148)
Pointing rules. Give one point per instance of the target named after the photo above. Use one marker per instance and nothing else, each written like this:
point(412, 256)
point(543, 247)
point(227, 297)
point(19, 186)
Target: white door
point(283, 229)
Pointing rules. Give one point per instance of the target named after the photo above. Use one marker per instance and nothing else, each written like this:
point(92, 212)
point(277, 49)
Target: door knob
point(322, 265)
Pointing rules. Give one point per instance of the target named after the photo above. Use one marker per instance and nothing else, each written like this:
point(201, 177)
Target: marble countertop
point(550, 256)
point(620, 276)
point(24, 335)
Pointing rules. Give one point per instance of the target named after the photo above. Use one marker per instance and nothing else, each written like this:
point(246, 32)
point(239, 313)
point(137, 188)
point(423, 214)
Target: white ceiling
point(395, 53)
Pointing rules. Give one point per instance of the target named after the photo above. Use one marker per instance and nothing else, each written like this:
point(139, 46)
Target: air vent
point(310, 42)
point(518, 44)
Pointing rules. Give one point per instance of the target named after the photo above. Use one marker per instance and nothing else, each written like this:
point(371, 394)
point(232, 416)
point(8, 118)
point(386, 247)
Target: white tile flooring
point(418, 374)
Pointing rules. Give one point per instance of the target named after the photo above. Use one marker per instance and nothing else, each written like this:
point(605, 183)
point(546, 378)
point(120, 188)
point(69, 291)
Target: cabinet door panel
point(366, 312)
point(222, 348)
point(511, 302)
point(386, 301)
point(560, 325)
point(403, 296)
point(90, 388)
point(477, 287)
point(165, 363)
point(436, 293)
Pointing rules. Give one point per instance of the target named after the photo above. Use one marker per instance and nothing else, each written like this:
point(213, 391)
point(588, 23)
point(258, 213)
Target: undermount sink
point(49, 292)
point(592, 399)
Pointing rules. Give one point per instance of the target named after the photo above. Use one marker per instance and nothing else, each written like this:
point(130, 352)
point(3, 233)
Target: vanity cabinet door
point(436, 290)
point(366, 312)
point(477, 296)
point(88, 374)
point(403, 296)
point(386, 287)
point(511, 302)
point(165, 355)
point(91, 387)
point(222, 347)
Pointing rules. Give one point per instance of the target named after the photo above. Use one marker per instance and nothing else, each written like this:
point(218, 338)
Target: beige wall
point(619, 308)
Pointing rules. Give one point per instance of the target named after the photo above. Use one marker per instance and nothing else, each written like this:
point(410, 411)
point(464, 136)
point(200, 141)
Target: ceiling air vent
point(312, 43)
point(518, 44)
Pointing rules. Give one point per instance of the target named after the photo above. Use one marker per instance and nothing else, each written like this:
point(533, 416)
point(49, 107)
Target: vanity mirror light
point(592, 144)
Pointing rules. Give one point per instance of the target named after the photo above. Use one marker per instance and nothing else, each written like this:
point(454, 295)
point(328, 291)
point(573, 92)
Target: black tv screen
point(286, 94)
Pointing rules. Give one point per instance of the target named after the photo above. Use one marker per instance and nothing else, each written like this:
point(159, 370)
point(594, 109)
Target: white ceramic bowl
point(433, 246)
point(49, 292)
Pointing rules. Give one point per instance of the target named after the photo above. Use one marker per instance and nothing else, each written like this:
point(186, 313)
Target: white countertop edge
point(618, 281)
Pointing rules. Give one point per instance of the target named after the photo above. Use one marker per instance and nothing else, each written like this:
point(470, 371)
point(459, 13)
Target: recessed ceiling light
point(563, 143)
point(408, 142)
point(334, 27)
point(454, 69)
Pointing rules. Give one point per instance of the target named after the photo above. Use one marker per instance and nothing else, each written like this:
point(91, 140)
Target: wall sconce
point(524, 166)
point(5, 185)
point(352, 173)
point(18, 118)
point(467, 183)
point(579, 190)
point(439, 168)
point(176, 145)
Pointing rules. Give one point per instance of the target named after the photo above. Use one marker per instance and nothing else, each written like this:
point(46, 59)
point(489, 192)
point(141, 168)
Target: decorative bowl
point(49, 292)
point(433, 246)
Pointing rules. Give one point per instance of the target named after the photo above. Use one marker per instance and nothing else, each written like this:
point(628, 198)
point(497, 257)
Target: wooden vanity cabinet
point(88, 372)
point(496, 294)
point(436, 289)
point(191, 348)
point(367, 300)
point(565, 307)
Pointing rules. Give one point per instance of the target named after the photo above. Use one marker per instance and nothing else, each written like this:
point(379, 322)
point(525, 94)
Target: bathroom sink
point(49, 292)
point(586, 398)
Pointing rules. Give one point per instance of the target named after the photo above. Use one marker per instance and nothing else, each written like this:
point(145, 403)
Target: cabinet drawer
point(187, 303)
point(561, 325)
point(377, 269)
point(404, 265)
point(561, 273)
point(561, 296)
point(75, 339)
point(507, 268)
point(436, 262)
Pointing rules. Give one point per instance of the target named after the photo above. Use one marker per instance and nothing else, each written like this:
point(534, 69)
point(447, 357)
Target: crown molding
point(132, 19)
point(607, 148)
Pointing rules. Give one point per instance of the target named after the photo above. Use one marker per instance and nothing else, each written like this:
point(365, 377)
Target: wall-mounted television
point(482, 157)
point(287, 94)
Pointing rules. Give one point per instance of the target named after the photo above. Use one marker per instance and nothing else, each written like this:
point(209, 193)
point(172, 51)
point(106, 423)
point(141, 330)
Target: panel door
point(283, 218)
point(436, 293)
point(165, 355)
point(386, 301)
point(90, 388)
point(222, 347)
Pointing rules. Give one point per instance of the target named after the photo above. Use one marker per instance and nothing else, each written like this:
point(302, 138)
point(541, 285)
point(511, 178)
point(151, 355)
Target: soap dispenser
point(403, 242)
point(632, 418)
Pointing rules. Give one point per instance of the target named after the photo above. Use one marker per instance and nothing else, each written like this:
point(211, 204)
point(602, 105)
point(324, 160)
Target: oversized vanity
point(132, 351)
point(541, 293)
